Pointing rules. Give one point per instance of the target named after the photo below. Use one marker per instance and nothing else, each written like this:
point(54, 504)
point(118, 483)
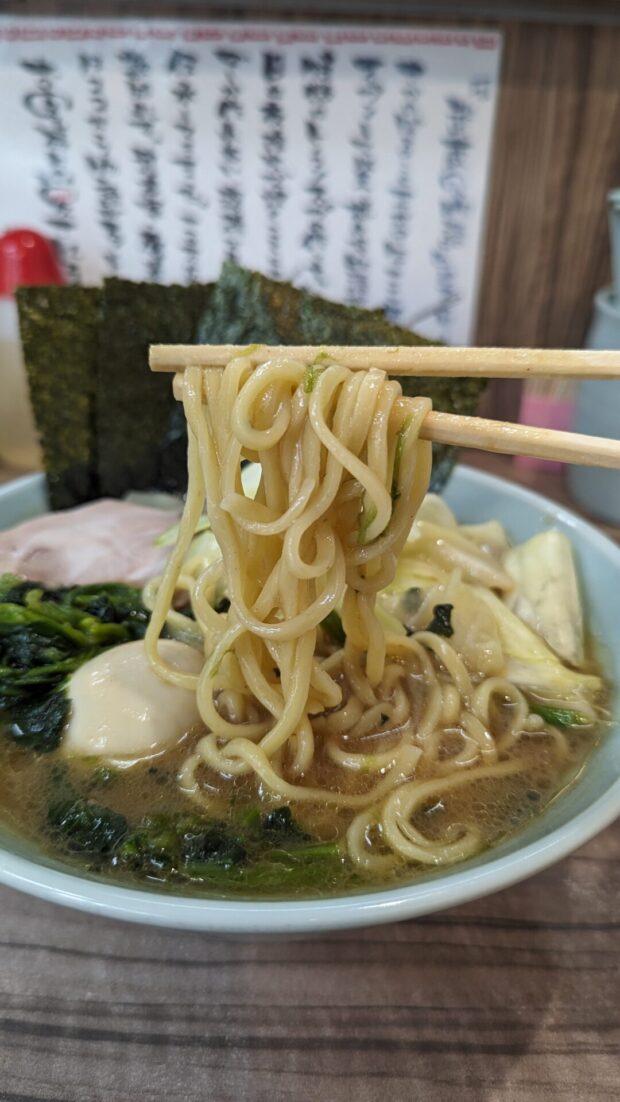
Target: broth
point(499, 806)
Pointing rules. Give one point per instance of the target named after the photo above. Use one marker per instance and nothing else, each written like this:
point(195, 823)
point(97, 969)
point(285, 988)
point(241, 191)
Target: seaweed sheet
point(59, 330)
point(142, 440)
point(247, 307)
point(109, 425)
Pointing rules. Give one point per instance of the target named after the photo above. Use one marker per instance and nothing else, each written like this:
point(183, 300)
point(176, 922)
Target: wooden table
point(514, 998)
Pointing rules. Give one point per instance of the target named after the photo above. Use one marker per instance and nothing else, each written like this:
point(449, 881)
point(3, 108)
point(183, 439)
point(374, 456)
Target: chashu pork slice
point(106, 541)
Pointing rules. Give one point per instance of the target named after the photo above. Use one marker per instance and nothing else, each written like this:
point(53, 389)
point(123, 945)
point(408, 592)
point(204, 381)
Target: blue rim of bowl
point(282, 917)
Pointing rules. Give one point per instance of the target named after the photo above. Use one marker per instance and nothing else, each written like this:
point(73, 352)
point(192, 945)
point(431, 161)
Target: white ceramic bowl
point(571, 820)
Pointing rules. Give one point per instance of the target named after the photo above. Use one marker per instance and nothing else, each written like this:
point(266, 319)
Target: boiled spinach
point(46, 634)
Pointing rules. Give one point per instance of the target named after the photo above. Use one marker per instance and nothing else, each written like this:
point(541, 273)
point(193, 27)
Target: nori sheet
point(248, 308)
point(141, 429)
point(109, 425)
point(59, 330)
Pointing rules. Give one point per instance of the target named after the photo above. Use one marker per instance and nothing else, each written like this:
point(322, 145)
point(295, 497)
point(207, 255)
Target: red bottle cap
point(26, 259)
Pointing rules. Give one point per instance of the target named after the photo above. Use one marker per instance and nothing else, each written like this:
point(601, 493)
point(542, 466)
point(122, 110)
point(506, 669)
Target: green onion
point(310, 378)
point(559, 717)
point(398, 454)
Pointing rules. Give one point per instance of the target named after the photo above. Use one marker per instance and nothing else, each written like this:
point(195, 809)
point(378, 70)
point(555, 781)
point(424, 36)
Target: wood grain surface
point(509, 999)
point(512, 998)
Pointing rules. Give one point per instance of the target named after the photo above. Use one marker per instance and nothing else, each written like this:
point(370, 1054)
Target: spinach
point(166, 845)
point(280, 826)
point(103, 775)
point(46, 634)
point(110, 603)
point(82, 826)
point(317, 866)
point(38, 723)
point(257, 852)
point(210, 841)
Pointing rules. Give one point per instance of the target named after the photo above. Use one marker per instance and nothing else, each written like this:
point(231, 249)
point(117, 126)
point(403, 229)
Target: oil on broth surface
point(30, 783)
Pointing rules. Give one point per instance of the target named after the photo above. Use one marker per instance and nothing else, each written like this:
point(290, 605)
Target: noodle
point(343, 474)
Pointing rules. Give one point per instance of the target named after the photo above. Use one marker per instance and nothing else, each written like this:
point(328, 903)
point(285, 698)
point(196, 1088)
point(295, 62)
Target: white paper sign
point(351, 160)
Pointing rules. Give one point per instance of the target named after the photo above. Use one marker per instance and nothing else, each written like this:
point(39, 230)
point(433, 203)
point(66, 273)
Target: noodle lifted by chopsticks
point(343, 472)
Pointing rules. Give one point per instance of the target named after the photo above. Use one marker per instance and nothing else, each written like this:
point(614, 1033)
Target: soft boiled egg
point(122, 711)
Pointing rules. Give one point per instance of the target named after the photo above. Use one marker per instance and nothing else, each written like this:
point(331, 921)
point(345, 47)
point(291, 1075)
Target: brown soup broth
point(498, 806)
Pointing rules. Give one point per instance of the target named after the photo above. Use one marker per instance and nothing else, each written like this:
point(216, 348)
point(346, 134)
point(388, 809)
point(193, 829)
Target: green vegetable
point(558, 717)
point(209, 841)
point(111, 602)
point(332, 625)
point(398, 454)
point(102, 776)
point(38, 723)
point(45, 634)
point(310, 378)
point(441, 622)
point(280, 826)
point(167, 845)
point(83, 826)
point(59, 329)
point(265, 852)
point(318, 866)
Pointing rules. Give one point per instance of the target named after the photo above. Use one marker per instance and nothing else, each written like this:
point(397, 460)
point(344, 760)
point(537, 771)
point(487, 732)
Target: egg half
point(122, 711)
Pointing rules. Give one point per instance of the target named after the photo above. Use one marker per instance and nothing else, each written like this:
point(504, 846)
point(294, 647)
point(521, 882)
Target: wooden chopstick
point(506, 438)
point(510, 439)
point(420, 360)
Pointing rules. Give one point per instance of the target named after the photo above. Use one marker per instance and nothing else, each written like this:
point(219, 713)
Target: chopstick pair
point(431, 360)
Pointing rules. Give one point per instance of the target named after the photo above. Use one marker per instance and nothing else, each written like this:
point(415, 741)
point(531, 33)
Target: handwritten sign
point(351, 160)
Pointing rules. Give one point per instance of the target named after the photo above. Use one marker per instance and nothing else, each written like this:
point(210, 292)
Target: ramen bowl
point(571, 819)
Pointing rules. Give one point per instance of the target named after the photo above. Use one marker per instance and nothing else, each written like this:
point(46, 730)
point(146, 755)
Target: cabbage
point(547, 592)
point(531, 664)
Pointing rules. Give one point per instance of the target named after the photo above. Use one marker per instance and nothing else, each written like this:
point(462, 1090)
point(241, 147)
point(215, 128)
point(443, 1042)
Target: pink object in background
point(548, 409)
